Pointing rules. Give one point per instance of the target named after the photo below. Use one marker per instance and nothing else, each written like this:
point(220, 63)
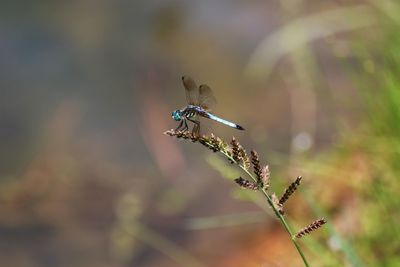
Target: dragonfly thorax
point(191, 111)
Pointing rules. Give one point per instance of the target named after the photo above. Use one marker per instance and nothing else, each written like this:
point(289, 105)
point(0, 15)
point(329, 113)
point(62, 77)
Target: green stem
point(270, 202)
point(287, 228)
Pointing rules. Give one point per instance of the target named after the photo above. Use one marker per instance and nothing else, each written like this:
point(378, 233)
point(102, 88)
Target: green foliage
point(376, 144)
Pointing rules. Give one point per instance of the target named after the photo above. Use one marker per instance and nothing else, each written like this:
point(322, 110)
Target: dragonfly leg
point(196, 130)
point(196, 127)
point(179, 126)
point(186, 125)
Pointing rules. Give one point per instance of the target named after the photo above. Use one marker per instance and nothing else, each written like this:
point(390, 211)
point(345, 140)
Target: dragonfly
point(200, 102)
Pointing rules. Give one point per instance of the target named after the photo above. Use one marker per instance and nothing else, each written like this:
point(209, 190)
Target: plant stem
point(280, 217)
point(216, 144)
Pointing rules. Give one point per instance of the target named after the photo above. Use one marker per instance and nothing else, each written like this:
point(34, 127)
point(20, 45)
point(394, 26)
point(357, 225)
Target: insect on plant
point(200, 102)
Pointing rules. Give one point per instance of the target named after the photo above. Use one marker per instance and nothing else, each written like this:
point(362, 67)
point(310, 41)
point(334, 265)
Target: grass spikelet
point(246, 183)
point(265, 175)
point(278, 205)
point(290, 190)
point(235, 150)
point(244, 157)
point(312, 227)
point(239, 154)
point(216, 143)
point(255, 160)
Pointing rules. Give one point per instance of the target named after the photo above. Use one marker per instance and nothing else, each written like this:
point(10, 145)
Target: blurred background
point(87, 177)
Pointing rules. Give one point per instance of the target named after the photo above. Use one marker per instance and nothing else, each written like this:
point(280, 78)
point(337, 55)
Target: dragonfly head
point(177, 115)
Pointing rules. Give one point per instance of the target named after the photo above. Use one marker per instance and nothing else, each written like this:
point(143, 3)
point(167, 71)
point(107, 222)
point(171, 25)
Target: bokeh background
point(87, 177)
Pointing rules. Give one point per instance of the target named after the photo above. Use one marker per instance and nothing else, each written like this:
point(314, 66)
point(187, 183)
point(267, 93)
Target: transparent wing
point(206, 97)
point(191, 89)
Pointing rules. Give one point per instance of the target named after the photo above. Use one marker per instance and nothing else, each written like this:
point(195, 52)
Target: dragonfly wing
point(206, 97)
point(191, 89)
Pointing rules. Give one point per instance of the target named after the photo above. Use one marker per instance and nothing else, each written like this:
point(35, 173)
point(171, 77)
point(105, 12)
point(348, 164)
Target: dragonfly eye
point(176, 115)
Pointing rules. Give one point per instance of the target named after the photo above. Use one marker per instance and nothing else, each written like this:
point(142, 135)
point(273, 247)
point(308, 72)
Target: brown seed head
point(290, 190)
point(313, 226)
point(246, 183)
point(255, 160)
point(215, 143)
point(235, 149)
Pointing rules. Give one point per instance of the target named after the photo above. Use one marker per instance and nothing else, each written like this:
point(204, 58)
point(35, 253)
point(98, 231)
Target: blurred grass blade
point(389, 8)
point(224, 169)
point(165, 246)
point(225, 220)
point(304, 30)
